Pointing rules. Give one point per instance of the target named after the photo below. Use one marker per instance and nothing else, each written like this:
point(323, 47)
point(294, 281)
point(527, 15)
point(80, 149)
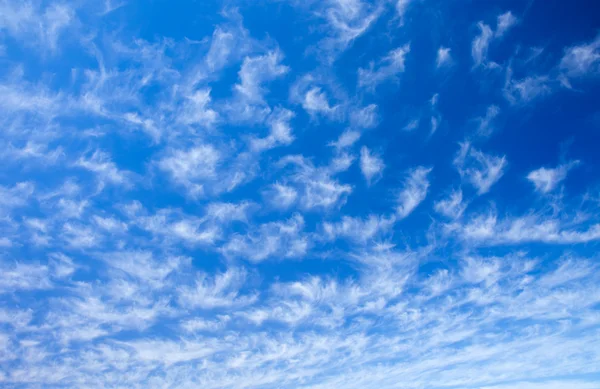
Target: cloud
point(346, 21)
point(452, 207)
point(33, 152)
point(364, 117)
point(358, 230)
point(505, 22)
point(280, 240)
point(481, 43)
point(479, 169)
point(281, 196)
point(280, 134)
point(191, 168)
point(233, 243)
point(412, 125)
point(316, 186)
point(316, 101)
point(249, 104)
point(17, 277)
point(402, 6)
point(443, 57)
point(195, 111)
point(485, 126)
point(257, 70)
point(16, 196)
point(527, 89)
point(371, 165)
point(220, 291)
point(545, 180)
point(346, 139)
point(487, 230)
point(414, 191)
point(436, 116)
point(230, 43)
point(309, 93)
point(582, 60)
point(172, 226)
point(106, 170)
point(38, 27)
point(387, 67)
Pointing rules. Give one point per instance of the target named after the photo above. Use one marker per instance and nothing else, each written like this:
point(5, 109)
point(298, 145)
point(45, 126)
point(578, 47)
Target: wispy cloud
point(546, 179)
point(581, 60)
point(387, 67)
point(223, 202)
point(443, 58)
point(481, 43)
point(414, 191)
point(479, 169)
point(371, 165)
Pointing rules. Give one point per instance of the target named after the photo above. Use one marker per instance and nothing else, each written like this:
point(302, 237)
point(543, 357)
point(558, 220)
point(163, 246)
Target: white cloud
point(171, 226)
point(315, 100)
point(228, 212)
point(505, 22)
point(412, 125)
point(229, 286)
point(485, 127)
point(195, 111)
point(17, 196)
point(199, 324)
point(527, 89)
point(281, 131)
point(79, 236)
point(546, 180)
point(229, 43)
point(479, 169)
point(387, 67)
point(347, 20)
point(443, 57)
point(581, 60)
point(100, 163)
point(436, 116)
point(546, 384)
point(23, 276)
point(34, 26)
point(346, 139)
point(358, 230)
point(193, 167)
point(220, 291)
point(487, 230)
point(340, 162)
point(402, 6)
point(33, 152)
point(316, 187)
point(365, 117)
point(414, 191)
point(257, 70)
point(481, 43)
point(281, 196)
point(435, 122)
point(371, 165)
point(452, 207)
point(319, 96)
point(20, 96)
point(280, 240)
point(142, 266)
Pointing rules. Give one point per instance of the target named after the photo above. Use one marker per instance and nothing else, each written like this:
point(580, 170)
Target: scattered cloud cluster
point(217, 202)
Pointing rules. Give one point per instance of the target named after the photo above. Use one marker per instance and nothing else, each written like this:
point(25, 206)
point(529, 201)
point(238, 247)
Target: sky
point(310, 194)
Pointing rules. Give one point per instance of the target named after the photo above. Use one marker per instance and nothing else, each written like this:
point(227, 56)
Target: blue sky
point(300, 194)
